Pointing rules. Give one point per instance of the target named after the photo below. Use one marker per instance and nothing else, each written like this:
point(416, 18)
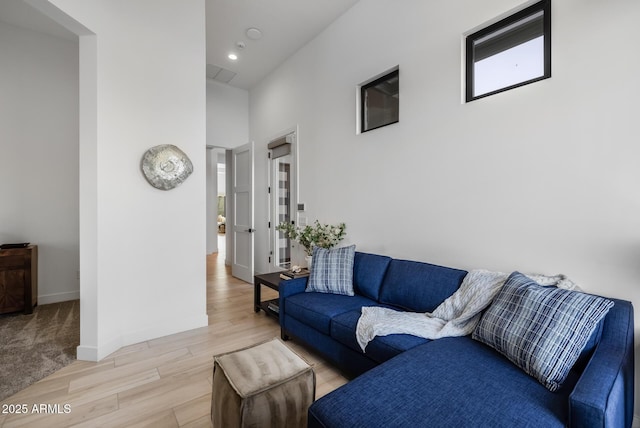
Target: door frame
point(294, 195)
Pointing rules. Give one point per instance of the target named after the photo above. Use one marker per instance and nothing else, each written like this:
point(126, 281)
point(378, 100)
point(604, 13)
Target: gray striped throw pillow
point(540, 329)
point(332, 270)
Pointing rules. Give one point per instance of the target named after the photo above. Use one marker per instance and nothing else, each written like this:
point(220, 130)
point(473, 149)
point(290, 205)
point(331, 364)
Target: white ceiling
point(21, 14)
point(286, 26)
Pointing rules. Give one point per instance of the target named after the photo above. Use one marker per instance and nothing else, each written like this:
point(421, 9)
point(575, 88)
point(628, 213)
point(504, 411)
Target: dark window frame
point(363, 88)
point(543, 6)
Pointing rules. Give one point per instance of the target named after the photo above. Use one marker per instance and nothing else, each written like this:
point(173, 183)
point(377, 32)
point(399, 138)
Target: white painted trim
point(294, 193)
point(87, 353)
point(92, 353)
point(58, 297)
point(97, 353)
point(109, 348)
point(172, 327)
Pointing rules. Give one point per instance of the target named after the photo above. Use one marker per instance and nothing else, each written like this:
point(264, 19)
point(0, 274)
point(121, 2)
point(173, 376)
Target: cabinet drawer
point(12, 261)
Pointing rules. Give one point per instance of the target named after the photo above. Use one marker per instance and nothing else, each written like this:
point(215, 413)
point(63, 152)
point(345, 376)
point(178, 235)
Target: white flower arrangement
point(316, 235)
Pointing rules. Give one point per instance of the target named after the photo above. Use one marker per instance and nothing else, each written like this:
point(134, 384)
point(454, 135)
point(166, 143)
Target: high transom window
point(512, 52)
point(380, 101)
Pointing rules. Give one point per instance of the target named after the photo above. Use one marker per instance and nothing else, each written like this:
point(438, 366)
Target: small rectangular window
point(380, 101)
point(513, 52)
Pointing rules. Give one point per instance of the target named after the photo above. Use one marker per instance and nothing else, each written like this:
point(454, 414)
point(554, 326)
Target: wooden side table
point(271, 280)
point(19, 279)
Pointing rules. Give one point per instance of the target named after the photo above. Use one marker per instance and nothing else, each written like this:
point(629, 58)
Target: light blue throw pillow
point(332, 270)
point(540, 329)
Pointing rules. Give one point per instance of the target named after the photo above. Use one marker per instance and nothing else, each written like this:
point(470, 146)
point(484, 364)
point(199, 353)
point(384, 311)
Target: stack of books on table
point(287, 274)
point(273, 306)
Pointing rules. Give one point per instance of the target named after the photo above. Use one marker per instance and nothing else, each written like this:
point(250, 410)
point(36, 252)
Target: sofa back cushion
point(368, 273)
point(587, 351)
point(417, 286)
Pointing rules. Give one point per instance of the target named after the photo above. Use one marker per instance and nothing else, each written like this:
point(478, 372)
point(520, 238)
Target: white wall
point(543, 178)
point(142, 83)
point(227, 115)
point(227, 127)
point(39, 154)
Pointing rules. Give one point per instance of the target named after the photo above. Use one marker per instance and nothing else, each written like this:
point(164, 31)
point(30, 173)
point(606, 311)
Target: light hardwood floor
point(165, 382)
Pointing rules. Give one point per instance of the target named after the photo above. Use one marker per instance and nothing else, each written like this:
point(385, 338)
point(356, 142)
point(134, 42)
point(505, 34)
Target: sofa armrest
point(288, 288)
point(603, 397)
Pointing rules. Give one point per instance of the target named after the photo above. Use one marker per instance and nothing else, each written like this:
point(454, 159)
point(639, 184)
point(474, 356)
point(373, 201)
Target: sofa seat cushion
point(317, 309)
point(382, 348)
point(451, 382)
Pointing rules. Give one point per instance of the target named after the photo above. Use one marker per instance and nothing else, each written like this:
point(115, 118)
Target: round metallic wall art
point(166, 166)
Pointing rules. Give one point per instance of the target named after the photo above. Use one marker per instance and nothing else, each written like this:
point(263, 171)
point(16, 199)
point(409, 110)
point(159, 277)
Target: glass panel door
point(281, 194)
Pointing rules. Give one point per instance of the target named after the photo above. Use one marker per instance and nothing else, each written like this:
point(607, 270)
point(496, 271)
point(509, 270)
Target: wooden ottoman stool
point(266, 385)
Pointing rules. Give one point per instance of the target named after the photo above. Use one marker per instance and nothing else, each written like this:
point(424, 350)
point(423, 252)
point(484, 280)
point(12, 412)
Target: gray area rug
point(34, 346)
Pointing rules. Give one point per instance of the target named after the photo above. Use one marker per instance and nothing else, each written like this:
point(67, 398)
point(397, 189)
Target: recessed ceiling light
point(254, 34)
point(233, 56)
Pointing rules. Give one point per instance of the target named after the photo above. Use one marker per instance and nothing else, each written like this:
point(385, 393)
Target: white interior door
point(242, 260)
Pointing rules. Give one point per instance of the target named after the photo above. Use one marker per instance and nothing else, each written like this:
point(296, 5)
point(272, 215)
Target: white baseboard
point(87, 353)
point(97, 353)
point(45, 299)
point(150, 332)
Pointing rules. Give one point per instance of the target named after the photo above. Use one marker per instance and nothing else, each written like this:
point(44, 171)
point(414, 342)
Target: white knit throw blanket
point(456, 316)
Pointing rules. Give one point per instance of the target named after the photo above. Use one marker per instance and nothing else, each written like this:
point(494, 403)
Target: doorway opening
point(221, 212)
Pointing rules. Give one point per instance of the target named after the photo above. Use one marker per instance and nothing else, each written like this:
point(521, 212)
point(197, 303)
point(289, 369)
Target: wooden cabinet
point(19, 279)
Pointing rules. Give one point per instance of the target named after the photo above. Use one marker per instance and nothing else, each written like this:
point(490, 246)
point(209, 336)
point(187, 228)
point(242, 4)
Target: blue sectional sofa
point(406, 381)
